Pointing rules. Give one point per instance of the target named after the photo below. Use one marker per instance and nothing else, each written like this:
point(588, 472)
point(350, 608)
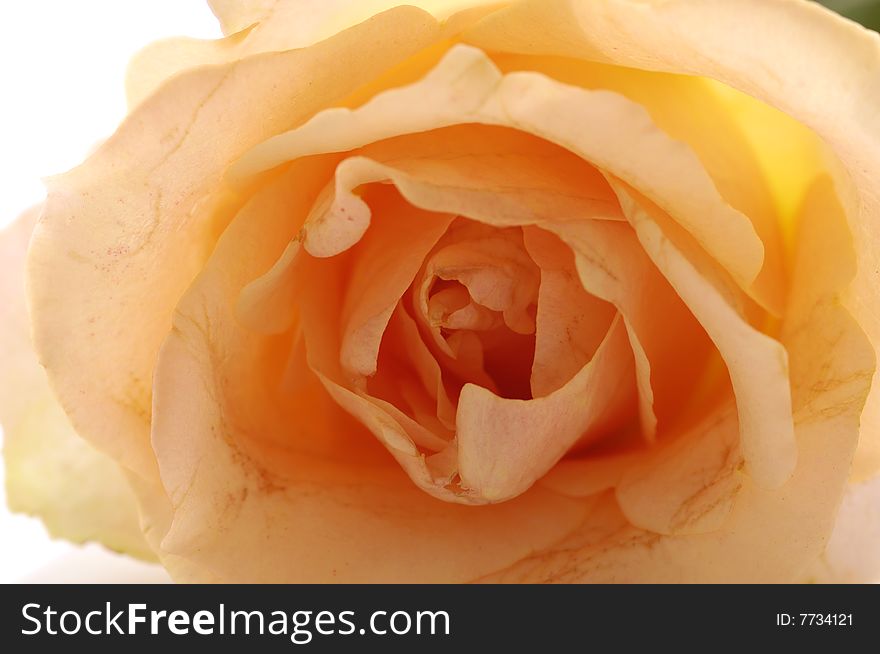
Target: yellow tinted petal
point(80, 494)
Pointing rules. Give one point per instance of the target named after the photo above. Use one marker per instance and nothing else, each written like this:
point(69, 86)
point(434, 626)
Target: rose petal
point(671, 354)
point(852, 555)
point(131, 227)
point(319, 286)
point(235, 16)
point(589, 475)
point(571, 322)
point(300, 23)
point(161, 60)
point(467, 87)
point(502, 187)
point(79, 493)
point(406, 351)
point(505, 445)
point(696, 111)
point(688, 484)
point(388, 258)
point(496, 271)
point(758, 364)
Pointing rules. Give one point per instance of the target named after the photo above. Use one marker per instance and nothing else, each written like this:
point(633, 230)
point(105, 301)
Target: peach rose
point(530, 291)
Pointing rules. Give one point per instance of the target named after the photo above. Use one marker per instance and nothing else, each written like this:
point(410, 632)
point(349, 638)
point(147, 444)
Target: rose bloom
point(529, 291)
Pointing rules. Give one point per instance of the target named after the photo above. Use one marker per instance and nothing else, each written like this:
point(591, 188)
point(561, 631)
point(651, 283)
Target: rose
point(553, 291)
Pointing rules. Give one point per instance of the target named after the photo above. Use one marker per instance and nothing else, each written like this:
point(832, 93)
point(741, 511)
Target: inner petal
point(571, 322)
point(466, 87)
point(671, 347)
point(387, 259)
point(505, 445)
point(475, 299)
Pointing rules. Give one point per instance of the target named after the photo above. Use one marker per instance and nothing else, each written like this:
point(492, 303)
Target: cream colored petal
point(403, 333)
point(687, 484)
point(319, 286)
point(770, 535)
point(695, 111)
point(298, 23)
point(386, 262)
point(852, 555)
point(265, 26)
point(589, 475)
point(78, 493)
point(505, 445)
point(757, 364)
point(570, 322)
point(123, 235)
point(457, 87)
point(322, 285)
point(315, 495)
point(406, 440)
point(496, 271)
point(236, 15)
point(461, 353)
point(671, 354)
point(824, 263)
point(161, 60)
point(448, 185)
point(268, 304)
point(467, 87)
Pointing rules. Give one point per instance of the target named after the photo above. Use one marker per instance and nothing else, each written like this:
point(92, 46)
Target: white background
point(62, 71)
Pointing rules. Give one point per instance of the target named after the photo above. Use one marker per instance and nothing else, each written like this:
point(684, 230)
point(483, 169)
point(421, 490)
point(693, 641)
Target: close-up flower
point(531, 291)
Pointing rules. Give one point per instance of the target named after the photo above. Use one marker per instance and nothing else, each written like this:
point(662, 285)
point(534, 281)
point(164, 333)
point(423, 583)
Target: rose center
point(476, 300)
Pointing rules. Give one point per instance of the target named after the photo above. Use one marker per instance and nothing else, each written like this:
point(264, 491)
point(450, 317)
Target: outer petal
point(79, 493)
point(123, 235)
point(758, 364)
point(299, 23)
point(467, 87)
point(693, 110)
point(261, 26)
point(162, 60)
point(688, 485)
point(852, 555)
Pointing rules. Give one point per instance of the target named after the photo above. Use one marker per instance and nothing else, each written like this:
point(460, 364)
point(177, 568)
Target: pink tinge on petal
point(671, 352)
point(494, 268)
point(757, 363)
point(505, 445)
point(571, 323)
point(386, 260)
point(405, 343)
